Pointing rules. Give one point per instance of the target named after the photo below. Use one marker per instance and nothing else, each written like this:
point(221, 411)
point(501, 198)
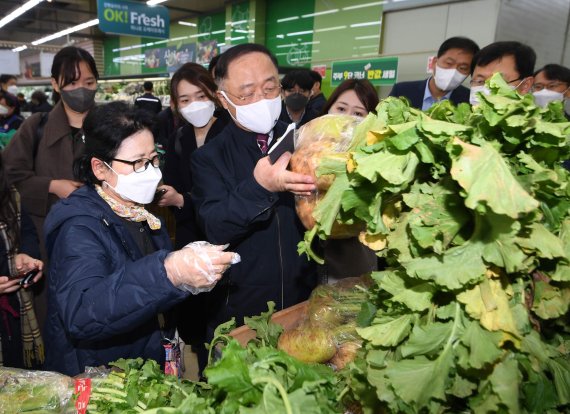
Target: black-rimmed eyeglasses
point(141, 164)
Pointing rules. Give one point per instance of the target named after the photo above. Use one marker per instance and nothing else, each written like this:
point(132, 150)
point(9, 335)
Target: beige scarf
point(133, 213)
point(32, 341)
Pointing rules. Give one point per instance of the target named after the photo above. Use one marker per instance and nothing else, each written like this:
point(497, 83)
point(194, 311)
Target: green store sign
point(133, 19)
point(379, 71)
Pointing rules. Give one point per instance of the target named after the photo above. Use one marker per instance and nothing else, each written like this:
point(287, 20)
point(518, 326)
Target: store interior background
point(304, 33)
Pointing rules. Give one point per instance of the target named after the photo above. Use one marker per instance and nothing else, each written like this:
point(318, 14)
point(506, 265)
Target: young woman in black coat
point(193, 94)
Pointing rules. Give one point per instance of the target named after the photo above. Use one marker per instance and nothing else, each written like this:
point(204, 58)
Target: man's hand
point(276, 177)
point(63, 188)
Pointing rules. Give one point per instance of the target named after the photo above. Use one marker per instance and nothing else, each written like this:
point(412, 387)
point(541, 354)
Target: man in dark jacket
point(318, 100)
point(148, 101)
point(297, 89)
point(242, 199)
point(451, 68)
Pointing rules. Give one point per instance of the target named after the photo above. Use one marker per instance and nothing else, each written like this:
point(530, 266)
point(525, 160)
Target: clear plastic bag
point(327, 333)
point(323, 137)
point(35, 391)
point(196, 258)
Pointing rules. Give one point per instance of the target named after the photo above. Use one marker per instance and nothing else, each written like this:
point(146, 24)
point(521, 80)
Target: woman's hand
point(63, 188)
point(170, 198)
point(8, 285)
point(198, 266)
point(25, 264)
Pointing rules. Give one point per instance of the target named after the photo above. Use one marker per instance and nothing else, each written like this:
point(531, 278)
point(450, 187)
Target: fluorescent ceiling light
point(366, 24)
point(19, 48)
point(320, 13)
point(367, 37)
point(360, 6)
point(153, 2)
point(300, 33)
point(287, 45)
point(19, 11)
point(328, 29)
point(287, 19)
point(66, 32)
point(187, 23)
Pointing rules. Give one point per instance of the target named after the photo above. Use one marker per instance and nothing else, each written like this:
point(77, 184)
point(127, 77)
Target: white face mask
point(473, 98)
point(198, 113)
point(448, 79)
point(13, 89)
point(544, 97)
point(260, 116)
point(3, 110)
point(137, 187)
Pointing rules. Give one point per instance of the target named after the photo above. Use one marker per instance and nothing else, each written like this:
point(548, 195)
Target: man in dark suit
point(318, 100)
point(451, 68)
point(242, 199)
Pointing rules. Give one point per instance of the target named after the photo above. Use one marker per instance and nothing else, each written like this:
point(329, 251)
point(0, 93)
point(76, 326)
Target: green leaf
point(415, 296)
point(231, 373)
point(418, 380)
point(560, 369)
point(406, 136)
point(427, 340)
point(488, 302)
point(479, 169)
point(505, 381)
point(499, 235)
point(539, 392)
point(562, 272)
point(546, 244)
point(457, 267)
point(327, 209)
point(266, 330)
point(387, 330)
point(550, 301)
point(397, 169)
point(482, 346)
point(462, 388)
point(434, 128)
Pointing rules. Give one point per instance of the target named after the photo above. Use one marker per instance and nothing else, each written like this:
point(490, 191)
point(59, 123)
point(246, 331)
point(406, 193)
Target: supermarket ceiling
point(53, 16)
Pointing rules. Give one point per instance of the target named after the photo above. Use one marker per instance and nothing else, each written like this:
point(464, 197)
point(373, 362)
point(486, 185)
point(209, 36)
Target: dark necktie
point(262, 140)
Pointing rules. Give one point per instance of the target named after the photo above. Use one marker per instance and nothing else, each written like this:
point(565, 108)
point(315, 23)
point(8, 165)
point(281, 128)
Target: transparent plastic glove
point(198, 266)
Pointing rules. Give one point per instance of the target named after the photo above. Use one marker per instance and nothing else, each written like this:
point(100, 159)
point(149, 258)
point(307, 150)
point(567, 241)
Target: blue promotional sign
point(133, 19)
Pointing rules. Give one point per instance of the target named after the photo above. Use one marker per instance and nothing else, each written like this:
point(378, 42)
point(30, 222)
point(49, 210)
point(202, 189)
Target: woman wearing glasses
point(111, 268)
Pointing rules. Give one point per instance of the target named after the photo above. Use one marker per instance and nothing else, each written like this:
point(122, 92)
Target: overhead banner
point(379, 71)
point(133, 19)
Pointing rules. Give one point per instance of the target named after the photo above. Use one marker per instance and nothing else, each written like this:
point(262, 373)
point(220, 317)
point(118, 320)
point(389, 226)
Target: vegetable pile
point(327, 333)
point(256, 379)
point(470, 208)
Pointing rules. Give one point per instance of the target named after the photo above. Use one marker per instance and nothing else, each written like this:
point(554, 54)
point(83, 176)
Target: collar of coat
point(57, 126)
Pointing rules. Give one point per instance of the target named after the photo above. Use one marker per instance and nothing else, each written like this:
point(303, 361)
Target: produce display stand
point(288, 318)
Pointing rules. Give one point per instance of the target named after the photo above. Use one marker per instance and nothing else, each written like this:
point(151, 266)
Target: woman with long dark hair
point(193, 92)
point(40, 157)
